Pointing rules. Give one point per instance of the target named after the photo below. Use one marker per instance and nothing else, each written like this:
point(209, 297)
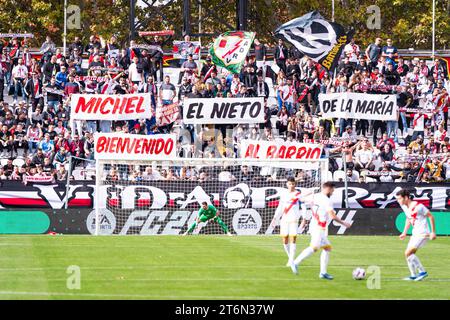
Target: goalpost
point(163, 196)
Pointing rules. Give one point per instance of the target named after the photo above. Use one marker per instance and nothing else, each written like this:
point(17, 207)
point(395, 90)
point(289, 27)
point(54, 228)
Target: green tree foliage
point(407, 22)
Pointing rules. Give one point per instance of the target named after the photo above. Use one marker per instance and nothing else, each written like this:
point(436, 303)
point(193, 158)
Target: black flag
point(319, 39)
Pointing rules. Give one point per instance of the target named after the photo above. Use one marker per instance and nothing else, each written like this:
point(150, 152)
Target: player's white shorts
point(417, 242)
point(319, 240)
point(288, 228)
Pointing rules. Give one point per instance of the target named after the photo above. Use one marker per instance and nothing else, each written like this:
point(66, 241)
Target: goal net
point(163, 197)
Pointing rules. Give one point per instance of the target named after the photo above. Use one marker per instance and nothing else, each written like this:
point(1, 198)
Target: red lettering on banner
point(111, 105)
point(249, 151)
point(282, 152)
point(108, 100)
point(159, 146)
point(290, 152)
point(140, 104)
point(169, 147)
point(315, 154)
point(100, 146)
point(137, 148)
point(271, 151)
point(308, 154)
point(85, 106)
point(129, 146)
point(134, 145)
point(130, 106)
point(301, 152)
point(146, 146)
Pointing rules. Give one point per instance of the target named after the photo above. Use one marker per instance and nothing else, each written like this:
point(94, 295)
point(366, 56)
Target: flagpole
point(433, 29)
point(200, 24)
point(65, 28)
point(332, 10)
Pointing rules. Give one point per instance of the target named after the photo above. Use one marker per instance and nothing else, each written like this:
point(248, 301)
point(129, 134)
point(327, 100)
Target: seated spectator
point(417, 145)
point(151, 174)
point(364, 157)
point(385, 140)
point(351, 176)
point(387, 154)
point(61, 173)
point(349, 134)
point(38, 158)
point(61, 157)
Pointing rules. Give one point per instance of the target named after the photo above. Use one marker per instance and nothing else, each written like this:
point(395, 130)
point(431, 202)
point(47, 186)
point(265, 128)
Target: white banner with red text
point(351, 105)
point(110, 107)
point(223, 110)
point(256, 149)
point(120, 146)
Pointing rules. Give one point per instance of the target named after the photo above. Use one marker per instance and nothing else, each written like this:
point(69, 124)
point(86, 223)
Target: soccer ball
point(359, 274)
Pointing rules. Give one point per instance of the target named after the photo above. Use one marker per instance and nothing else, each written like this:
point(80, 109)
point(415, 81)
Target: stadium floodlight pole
point(65, 29)
point(433, 30)
point(345, 179)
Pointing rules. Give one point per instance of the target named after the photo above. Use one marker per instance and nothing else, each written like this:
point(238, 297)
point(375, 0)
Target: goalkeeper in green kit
point(208, 212)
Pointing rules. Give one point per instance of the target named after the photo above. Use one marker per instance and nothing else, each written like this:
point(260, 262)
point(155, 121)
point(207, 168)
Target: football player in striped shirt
point(322, 213)
point(289, 213)
point(417, 216)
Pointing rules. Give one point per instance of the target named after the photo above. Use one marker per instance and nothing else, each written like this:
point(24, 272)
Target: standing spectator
point(373, 52)
point(19, 75)
point(33, 90)
point(53, 99)
point(261, 88)
point(50, 69)
point(76, 45)
point(2, 81)
point(75, 60)
point(188, 68)
point(157, 59)
point(391, 75)
point(135, 72)
point(61, 77)
point(378, 125)
point(167, 91)
point(281, 54)
point(185, 89)
point(94, 43)
point(48, 48)
point(260, 56)
point(282, 120)
point(390, 50)
point(351, 51)
point(438, 71)
point(26, 57)
point(207, 69)
point(186, 48)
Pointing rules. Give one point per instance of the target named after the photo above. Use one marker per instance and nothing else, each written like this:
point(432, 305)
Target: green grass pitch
point(211, 267)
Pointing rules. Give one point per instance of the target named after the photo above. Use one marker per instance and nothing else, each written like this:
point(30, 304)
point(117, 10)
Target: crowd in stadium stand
point(36, 138)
